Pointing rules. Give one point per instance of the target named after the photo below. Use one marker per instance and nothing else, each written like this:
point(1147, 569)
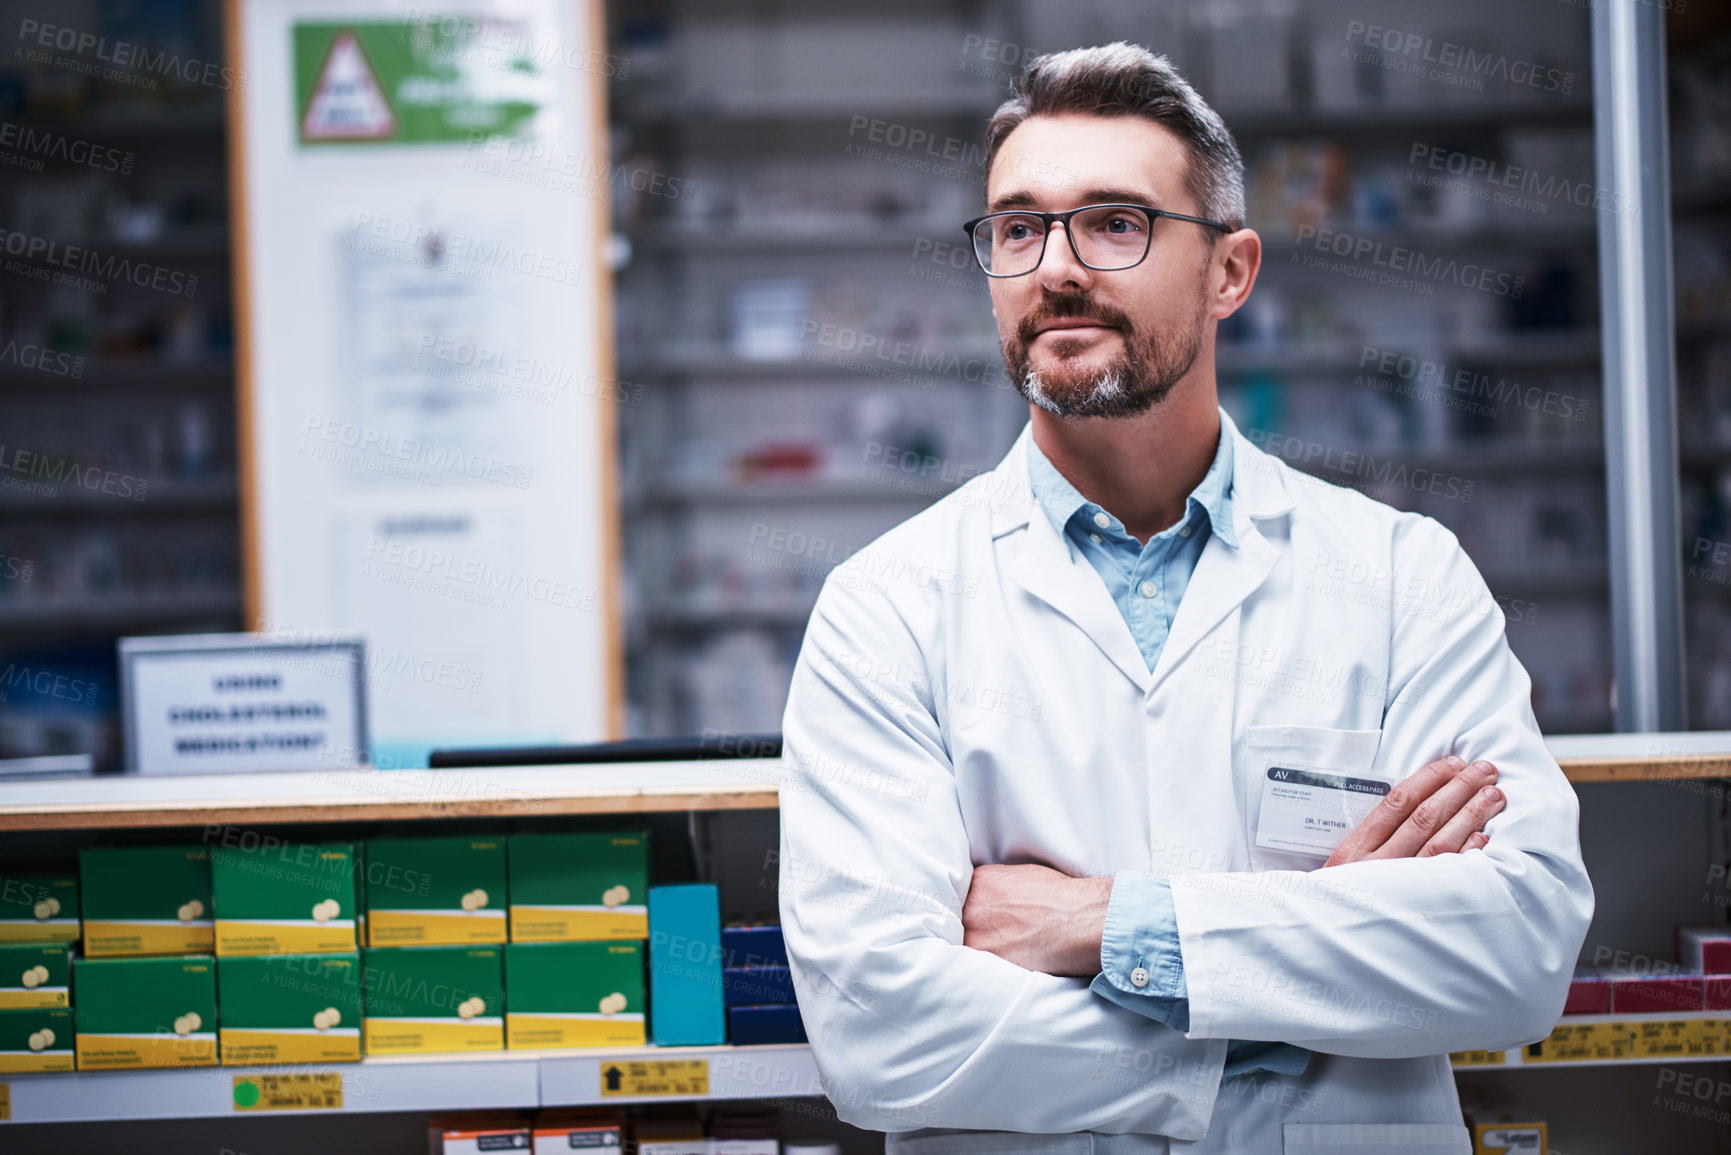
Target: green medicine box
point(146, 900)
point(289, 1008)
point(35, 975)
point(145, 1012)
point(574, 887)
point(574, 994)
point(284, 898)
point(38, 904)
point(35, 1040)
point(420, 999)
point(447, 891)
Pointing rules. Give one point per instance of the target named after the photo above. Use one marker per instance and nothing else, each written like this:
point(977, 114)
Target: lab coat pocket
point(938, 1141)
point(1305, 788)
point(1377, 1139)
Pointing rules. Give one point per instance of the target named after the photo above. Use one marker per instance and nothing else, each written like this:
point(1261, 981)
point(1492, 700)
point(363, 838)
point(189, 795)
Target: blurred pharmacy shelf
point(496, 1081)
point(1616, 1041)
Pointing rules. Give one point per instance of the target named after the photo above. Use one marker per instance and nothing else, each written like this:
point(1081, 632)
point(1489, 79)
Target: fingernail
point(1492, 794)
point(1483, 766)
point(1456, 761)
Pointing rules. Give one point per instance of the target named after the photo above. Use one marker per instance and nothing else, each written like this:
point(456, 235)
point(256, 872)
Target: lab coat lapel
point(1036, 557)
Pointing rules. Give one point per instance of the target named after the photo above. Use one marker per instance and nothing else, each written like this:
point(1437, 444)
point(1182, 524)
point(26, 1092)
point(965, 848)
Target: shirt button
point(1139, 977)
point(1095, 538)
point(1101, 520)
point(1185, 532)
point(1149, 589)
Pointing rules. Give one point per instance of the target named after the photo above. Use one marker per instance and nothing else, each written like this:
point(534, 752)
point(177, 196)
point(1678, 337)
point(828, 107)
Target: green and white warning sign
point(417, 82)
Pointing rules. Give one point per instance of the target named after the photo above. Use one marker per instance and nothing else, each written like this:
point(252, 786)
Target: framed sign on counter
point(425, 348)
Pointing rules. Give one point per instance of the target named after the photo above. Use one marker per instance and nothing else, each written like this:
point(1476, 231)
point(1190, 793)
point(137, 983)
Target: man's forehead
point(1055, 161)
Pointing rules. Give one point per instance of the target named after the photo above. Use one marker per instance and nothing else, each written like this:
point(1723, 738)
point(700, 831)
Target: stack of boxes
point(146, 983)
point(759, 987)
point(579, 921)
point(38, 926)
point(433, 973)
point(1699, 981)
point(288, 961)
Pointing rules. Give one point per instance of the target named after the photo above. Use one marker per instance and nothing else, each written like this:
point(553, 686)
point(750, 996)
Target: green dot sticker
point(246, 1093)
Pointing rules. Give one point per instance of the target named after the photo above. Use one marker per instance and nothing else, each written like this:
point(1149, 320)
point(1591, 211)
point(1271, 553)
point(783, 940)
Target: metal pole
point(1640, 363)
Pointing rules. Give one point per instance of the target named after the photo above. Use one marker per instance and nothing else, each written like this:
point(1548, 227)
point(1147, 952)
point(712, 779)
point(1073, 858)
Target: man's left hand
point(1038, 918)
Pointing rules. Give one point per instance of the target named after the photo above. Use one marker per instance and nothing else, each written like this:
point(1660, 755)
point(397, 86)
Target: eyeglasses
point(1104, 238)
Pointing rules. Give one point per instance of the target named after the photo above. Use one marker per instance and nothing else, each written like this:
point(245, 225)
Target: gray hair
point(1127, 80)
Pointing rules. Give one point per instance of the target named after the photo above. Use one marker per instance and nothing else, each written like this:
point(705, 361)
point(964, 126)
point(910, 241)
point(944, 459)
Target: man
point(1139, 795)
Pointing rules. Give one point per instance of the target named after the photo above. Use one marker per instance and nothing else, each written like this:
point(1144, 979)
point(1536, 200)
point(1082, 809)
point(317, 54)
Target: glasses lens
point(1110, 237)
point(1009, 244)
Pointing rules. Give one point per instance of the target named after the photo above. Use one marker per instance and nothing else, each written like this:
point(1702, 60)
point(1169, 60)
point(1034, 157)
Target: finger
point(1429, 817)
point(1454, 835)
point(1478, 840)
point(1400, 801)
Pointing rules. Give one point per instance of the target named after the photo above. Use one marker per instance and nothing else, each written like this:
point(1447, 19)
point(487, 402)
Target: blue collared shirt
point(1147, 581)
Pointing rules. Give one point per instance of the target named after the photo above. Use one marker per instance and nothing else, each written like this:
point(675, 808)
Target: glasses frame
point(1063, 218)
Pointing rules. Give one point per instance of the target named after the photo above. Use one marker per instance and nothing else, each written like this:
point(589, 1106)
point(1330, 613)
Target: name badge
point(1309, 812)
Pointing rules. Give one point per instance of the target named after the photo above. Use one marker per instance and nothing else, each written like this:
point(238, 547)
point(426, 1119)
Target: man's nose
point(1058, 264)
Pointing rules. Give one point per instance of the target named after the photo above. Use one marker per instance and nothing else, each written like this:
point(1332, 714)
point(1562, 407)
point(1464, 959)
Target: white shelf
point(497, 1081)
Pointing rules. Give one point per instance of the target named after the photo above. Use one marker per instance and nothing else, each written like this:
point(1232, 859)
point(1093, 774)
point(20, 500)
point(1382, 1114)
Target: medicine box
point(756, 1026)
point(1589, 993)
point(474, 1134)
point(36, 1040)
point(1656, 993)
point(1502, 1130)
point(285, 898)
point(578, 1130)
point(579, 886)
point(35, 975)
point(745, 986)
point(685, 1005)
point(445, 891)
point(670, 1136)
point(38, 904)
point(1718, 993)
point(146, 900)
point(1706, 949)
point(145, 1012)
point(574, 994)
point(421, 999)
point(753, 946)
point(289, 1008)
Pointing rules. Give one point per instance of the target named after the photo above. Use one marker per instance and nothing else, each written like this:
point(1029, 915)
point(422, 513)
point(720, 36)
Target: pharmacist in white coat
point(1144, 794)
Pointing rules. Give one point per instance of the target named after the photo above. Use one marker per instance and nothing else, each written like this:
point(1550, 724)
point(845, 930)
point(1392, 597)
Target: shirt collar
point(1212, 499)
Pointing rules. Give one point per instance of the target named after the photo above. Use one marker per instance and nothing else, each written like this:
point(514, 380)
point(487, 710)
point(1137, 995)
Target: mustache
point(1052, 307)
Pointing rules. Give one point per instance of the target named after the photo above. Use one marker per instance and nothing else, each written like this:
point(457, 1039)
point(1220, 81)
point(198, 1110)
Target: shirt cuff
point(1140, 941)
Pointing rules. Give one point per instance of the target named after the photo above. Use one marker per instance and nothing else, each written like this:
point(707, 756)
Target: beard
point(1137, 379)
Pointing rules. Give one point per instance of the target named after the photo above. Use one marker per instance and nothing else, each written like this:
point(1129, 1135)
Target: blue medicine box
point(753, 946)
point(685, 1007)
point(746, 986)
point(752, 1026)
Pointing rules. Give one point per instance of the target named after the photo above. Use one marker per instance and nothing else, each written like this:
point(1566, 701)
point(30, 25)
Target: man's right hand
point(1440, 810)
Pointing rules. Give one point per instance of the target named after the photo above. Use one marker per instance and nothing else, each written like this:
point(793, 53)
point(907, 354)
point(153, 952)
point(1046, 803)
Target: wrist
point(1089, 926)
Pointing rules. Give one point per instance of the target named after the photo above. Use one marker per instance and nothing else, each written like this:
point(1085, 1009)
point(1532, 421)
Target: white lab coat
point(968, 693)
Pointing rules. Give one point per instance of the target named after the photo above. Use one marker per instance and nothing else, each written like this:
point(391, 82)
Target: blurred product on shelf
point(475, 1133)
point(744, 1129)
point(39, 903)
point(145, 1012)
point(36, 1041)
point(447, 890)
point(1502, 1129)
point(284, 897)
point(1589, 993)
point(579, 886)
point(760, 1025)
point(422, 999)
point(1706, 949)
point(573, 994)
point(685, 1007)
point(289, 1009)
point(35, 976)
point(1646, 994)
point(676, 1131)
point(146, 900)
point(562, 1131)
point(752, 945)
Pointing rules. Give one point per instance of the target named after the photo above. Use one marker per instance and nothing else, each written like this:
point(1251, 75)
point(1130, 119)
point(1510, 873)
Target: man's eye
point(1121, 225)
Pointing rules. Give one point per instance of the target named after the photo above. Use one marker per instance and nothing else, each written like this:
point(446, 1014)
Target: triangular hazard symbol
point(347, 101)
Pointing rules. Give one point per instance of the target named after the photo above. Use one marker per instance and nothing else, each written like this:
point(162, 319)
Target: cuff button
point(1139, 977)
